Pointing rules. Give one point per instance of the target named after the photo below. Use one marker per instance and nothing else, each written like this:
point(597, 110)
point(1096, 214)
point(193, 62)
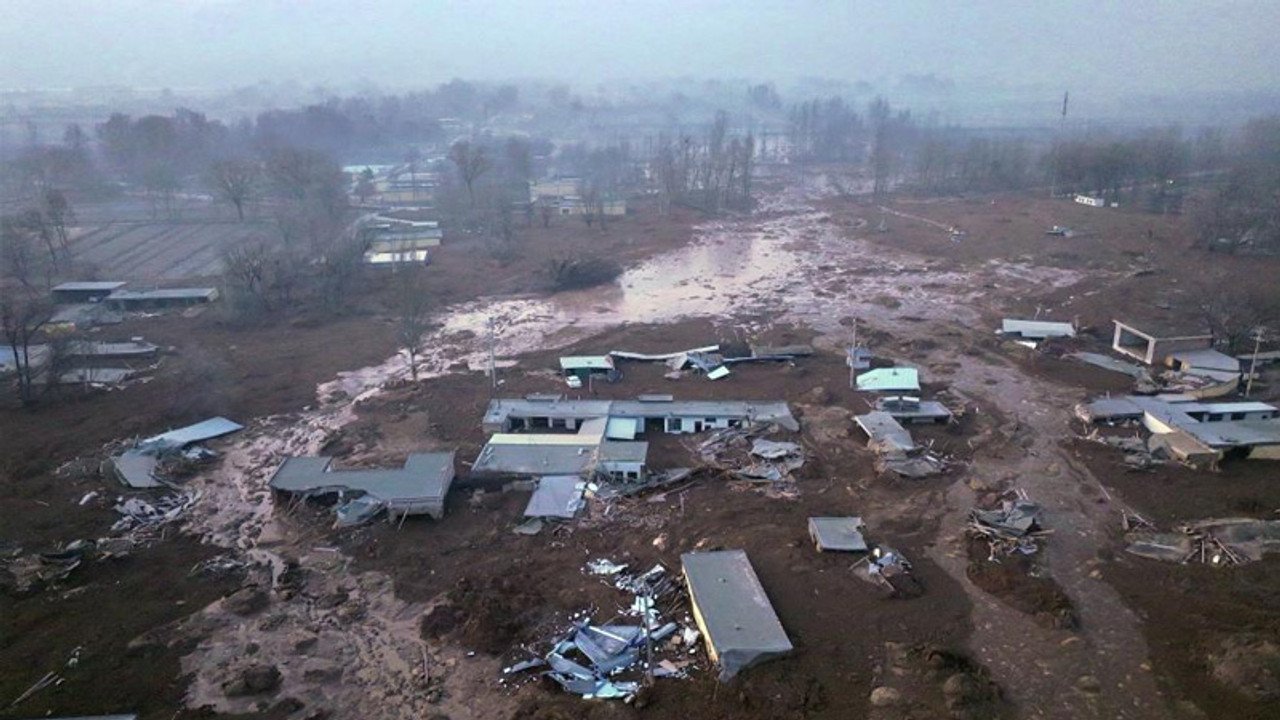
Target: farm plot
point(161, 250)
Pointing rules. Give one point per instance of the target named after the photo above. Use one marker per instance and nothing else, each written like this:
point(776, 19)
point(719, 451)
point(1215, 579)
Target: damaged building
point(1195, 432)
point(417, 488)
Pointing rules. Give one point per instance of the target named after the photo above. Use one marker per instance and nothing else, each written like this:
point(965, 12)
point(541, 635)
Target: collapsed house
point(418, 488)
point(732, 611)
point(140, 467)
point(1194, 432)
point(894, 448)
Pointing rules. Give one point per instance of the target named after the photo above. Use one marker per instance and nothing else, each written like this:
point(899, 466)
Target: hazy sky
point(1126, 45)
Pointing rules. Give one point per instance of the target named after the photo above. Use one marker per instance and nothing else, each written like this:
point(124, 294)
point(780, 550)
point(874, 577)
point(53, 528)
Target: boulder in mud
point(247, 600)
point(1250, 665)
point(253, 680)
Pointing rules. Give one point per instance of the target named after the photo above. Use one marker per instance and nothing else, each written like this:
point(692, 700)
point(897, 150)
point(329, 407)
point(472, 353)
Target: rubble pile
point(745, 454)
point(1012, 528)
point(1220, 542)
point(614, 659)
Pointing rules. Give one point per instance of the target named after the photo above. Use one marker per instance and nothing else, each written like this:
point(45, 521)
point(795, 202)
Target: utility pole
point(1053, 180)
point(493, 357)
point(1253, 365)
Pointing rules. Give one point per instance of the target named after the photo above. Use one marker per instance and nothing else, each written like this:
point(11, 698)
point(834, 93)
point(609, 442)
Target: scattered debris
point(745, 455)
point(889, 570)
point(610, 660)
point(139, 515)
point(895, 450)
point(1228, 541)
point(149, 461)
point(1013, 528)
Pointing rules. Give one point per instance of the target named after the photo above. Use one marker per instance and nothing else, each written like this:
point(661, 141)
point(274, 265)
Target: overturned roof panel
point(556, 496)
point(732, 610)
point(199, 432)
point(135, 469)
point(1036, 329)
point(895, 379)
point(837, 534)
point(884, 431)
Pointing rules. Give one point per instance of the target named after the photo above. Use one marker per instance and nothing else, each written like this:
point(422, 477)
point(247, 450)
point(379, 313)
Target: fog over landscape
point(700, 360)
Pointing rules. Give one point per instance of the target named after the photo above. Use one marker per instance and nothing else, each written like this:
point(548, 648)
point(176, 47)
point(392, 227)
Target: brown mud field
point(417, 619)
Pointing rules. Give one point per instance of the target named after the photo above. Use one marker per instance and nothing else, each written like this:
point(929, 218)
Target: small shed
point(583, 366)
point(735, 616)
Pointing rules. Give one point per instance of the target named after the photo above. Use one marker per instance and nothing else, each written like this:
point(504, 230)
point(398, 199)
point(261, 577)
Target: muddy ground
point(385, 618)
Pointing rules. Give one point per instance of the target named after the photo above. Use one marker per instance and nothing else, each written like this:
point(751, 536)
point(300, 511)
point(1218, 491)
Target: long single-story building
point(162, 298)
point(84, 291)
point(627, 418)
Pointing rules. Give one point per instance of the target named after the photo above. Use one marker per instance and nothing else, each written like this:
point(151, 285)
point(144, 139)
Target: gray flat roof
point(758, 410)
point(732, 610)
point(425, 476)
point(163, 294)
point(203, 430)
point(535, 459)
point(837, 533)
point(1207, 359)
point(1037, 329)
point(89, 286)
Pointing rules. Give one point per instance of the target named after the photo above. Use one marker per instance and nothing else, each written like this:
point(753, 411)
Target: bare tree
point(58, 214)
point(472, 163)
point(415, 312)
point(23, 313)
point(236, 181)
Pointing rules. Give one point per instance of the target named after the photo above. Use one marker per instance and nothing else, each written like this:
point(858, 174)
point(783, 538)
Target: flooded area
point(792, 266)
